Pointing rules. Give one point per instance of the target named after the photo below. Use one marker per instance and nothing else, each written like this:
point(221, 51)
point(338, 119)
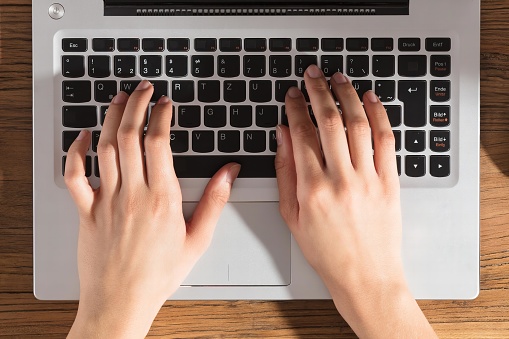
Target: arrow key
point(415, 166)
point(440, 166)
point(415, 141)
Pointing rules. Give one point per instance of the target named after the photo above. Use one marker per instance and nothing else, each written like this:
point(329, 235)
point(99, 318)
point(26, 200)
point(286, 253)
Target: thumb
point(203, 222)
point(74, 176)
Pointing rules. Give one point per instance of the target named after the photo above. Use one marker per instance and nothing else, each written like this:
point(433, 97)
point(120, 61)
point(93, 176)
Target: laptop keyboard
point(228, 94)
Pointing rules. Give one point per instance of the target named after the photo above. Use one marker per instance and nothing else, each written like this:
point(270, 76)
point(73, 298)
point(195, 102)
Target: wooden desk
point(21, 315)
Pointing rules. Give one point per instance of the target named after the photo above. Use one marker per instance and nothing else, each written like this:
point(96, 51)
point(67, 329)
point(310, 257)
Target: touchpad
point(251, 246)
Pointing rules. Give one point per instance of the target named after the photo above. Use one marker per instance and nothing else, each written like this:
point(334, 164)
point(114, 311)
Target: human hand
point(134, 246)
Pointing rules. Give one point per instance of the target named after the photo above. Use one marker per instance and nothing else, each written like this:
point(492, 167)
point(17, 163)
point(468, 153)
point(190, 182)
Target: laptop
point(227, 65)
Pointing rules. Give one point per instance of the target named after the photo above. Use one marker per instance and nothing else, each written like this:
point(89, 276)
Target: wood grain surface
point(21, 315)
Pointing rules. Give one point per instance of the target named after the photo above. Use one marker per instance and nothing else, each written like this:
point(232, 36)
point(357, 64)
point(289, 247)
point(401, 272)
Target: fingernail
point(163, 100)
point(233, 173)
point(294, 92)
point(82, 135)
point(120, 98)
point(372, 97)
point(279, 135)
point(143, 85)
point(339, 78)
point(314, 72)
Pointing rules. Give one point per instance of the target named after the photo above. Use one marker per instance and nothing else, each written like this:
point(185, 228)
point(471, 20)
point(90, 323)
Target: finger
point(74, 176)
point(107, 148)
point(286, 177)
point(330, 123)
point(130, 134)
point(158, 157)
point(200, 228)
point(307, 152)
point(356, 122)
point(383, 137)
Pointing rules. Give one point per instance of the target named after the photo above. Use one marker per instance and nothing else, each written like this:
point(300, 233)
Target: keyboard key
point(440, 65)
point(409, 44)
point(129, 86)
point(182, 90)
point(74, 45)
point(331, 64)
point(96, 135)
point(255, 45)
point(73, 66)
point(125, 66)
point(385, 90)
point(214, 116)
point(128, 44)
point(413, 96)
point(304, 91)
point(230, 45)
point(398, 164)
point(103, 45)
point(160, 89)
point(68, 138)
point(203, 141)
point(209, 90)
point(267, 116)
point(254, 66)
point(384, 66)
point(205, 45)
point(280, 66)
point(440, 116)
point(104, 111)
point(439, 166)
point(438, 44)
point(228, 141)
point(280, 44)
point(151, 66)
point(415, 141)
point(189, 116)
point(284, 117)
point(76, 91)
point(397, 140)
point(362, 86)
point(357, 65)
point(302, 62)
point(357, 44)
point(104, 91)
point(202, 66)
point(415, 166)
point(241, 116)
point(282, 86)
point(273, 141)
point(79, 116)
point(439, 141)
point(178, 44)
point(228, 66)
point(234, 91)
point(332, 44)
point(176, 66)
point(88, 165)
point(382, 44)
point(255, 141)
point(99, 66)
point(308, 44)
point(394, 114)
point(412, 65)
point(179, 141)
point(153, 45)
point(253, 166)
point(260, 90)
point(440, 91)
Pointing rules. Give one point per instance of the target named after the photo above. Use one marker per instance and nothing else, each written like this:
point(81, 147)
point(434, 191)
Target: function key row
point(254, 44)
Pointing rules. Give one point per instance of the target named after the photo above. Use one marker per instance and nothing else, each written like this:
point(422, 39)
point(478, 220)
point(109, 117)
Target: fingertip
point(294, 93)
point(233, 173)
point(371, 97)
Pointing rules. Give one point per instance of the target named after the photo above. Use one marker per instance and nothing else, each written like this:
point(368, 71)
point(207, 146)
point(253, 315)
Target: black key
point(241, 116)
point(440, 116)
point(440, 91)
point(413, 96)
point(182, 90)
point(382, 44)
point(88, 165)
point(153, 45)
point(205, 45)
point(438, 44)
point(415, 166)
point(440, 65)
point(234, 91)
point(398, 164)
point(178, 44)
point(304, 91)
point(209, 90)
point(384, 66)
point(73, 66)
point(128, 44)
point(203, 141)
point(273, 141)
point(125, 66)
point(254, 66)
point(412, 65)
point(280, 66)
point(129, 86)
point(214, 116)
point(386, 90)
point(308, 44)
point(331, 64)
point(189, 116)
point(357, 44)
point(151, 66)
point(362, 86)
point(415, 141)
point(284, 117)
point(68, 138)
point(173, 114)
point(228, 66)
point(179, 141)
point(79, 116)
point(253, 166)
point(332, 44)
point(202, 66)
point(99, 66)
point(228, 141)
point(267, 116)
point(409, 44)
point(104, 91)
point(255, 45)
point(280, 44)
point(394, 114)
point(230, 45)
point(160, 89)
point(282, 86)
point(357, 65)
point(96, 135)
point(439, 141)
point(302, 62)
point(103, 45)
point(104, 111)
point(255, 141)
point(397, 140)
point(260, 90)
point(176, 66)
point(439, 166)
point(96, 166)
point(74, 45)
point(76, 91)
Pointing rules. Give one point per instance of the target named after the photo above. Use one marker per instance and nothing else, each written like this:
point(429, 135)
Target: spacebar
point(200, 166)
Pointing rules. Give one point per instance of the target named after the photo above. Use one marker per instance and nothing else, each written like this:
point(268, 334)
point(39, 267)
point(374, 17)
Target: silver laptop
point(227, 65)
